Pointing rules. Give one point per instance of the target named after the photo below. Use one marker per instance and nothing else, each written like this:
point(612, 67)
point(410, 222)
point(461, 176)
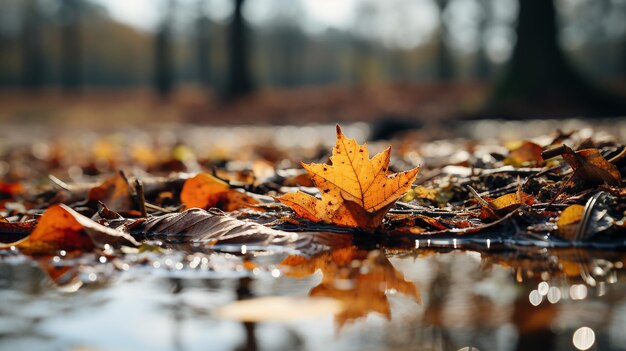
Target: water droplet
point(542, 288)
point(275, 273)
point(92, 277)
point(156, 264)
point(584, 338)
point(554, 294)
point(62, 253)
point(56, 259)
point(535, 298)
point(179, 265)
point(578, 291)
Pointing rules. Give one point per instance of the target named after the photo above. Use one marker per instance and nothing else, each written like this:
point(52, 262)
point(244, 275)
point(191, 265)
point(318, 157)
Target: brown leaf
point(61, 228)
point(205, 191)
point(589, 165)
point(114, 192)
point(197, 225)
point(527, 153)
point(356, 191)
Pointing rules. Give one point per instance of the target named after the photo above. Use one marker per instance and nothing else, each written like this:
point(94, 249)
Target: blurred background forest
point(293, 61)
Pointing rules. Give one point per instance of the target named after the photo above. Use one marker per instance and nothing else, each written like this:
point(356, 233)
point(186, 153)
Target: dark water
point(343, 299)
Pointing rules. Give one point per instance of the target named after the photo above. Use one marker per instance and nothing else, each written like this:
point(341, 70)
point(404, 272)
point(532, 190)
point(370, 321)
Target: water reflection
point(530, 299)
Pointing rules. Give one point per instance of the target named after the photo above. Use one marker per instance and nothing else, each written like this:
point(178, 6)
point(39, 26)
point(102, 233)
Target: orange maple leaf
point(356, 191)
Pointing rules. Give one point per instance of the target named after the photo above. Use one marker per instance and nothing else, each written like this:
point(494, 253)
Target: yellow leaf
point(422, 192)
point(569, 221)
point(356, 191)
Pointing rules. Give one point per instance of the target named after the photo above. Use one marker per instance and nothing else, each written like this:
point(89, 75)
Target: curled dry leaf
point(591, 166)
point(356, 191)
point(205, 191)
point(61, 228)
point(114, 192)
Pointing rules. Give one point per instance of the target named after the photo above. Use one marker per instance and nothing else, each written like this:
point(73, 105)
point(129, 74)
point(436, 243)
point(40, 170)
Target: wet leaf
point(205, 191)
point(589, 165)
point(61, 228)
point(201, 226)
point(13, 231)
point(569, 220)
point(356, 191)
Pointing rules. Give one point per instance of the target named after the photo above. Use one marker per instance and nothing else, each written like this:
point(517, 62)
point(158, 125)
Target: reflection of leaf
point(205, 191)
point(61, 228)
point(65, 277)
point(358, 278)
point(279, 308)
point(114, 192)
point(589, 165)
point(356, 191)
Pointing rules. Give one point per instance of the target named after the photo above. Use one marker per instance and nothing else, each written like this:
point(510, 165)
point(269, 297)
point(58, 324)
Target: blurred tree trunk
point(539, 79)
point(71, 48)
point(483, 65)
point(239, 82)
point(31, 47)
point(445, 63)
point(203, 42)
point(163, 61)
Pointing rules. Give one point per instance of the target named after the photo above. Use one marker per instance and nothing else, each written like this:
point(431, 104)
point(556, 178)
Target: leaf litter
point(128, 208)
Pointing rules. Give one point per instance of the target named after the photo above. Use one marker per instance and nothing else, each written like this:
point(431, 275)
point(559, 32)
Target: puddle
point(342, 299)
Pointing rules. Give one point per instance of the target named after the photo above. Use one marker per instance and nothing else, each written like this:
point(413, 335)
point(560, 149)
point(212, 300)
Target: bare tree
point(163, 60)
point(540, 79)
point(239, 82)
point(203, 42)
point(71, 48)
point(31, 47)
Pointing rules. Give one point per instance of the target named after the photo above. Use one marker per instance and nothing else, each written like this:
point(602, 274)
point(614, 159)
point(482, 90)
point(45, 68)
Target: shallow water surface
point(343, 299)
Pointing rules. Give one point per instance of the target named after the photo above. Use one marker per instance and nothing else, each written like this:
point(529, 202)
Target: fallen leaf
point(10, 190)
point(205, 191)
point(13, 231)
point(421, 192)
point(569, 220)
point(589, 165)
point(197, 225)
point(528, 153)
point(61, 228)
point(356, 191)
point(114, 192)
